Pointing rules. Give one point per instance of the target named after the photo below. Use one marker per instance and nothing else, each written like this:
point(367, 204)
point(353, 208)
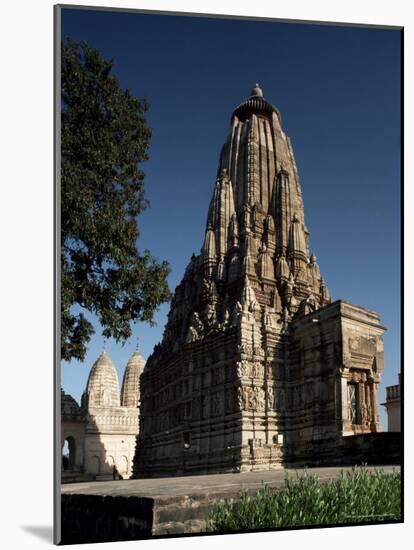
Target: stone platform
point(144, 508)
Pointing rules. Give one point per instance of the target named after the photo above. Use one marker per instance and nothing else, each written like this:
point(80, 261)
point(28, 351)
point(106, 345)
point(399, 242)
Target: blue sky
point(338, 90)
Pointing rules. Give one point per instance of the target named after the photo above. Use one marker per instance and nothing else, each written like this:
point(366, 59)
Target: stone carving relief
point(249, 301)
point(257, 370)
point(221, 270)
point(246, 216)
point(269, 318)
point(379, 345)
point(356, 376)
point(364, 345)
point(308, 305)
point(234, 268)
point(355, 342)
point(196, 328)
point(249, 398)
point(364, 414)
point(252, 398)
point(259, 399)
point(226, 319)
point(270, 398)
point(240, 398)
point(243, 369)
point(245, 349)
point(211, 316)
point(250, 369)
point(266, 266)
point(217, 403)
point(236, 315)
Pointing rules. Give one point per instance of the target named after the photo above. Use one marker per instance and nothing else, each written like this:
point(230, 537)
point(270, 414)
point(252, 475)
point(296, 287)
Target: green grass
point(359, 495)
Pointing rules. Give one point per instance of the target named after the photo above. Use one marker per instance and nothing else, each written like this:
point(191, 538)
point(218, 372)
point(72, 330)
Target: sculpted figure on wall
point(196, 328)
point(236, 315)
point(240, 398)
point(258, 370)
point(259, 399)
point(244, 369)
point(270, 398)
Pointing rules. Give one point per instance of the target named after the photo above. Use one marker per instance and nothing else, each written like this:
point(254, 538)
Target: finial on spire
point(137, 344)
point(257, 91)
point(105, 341)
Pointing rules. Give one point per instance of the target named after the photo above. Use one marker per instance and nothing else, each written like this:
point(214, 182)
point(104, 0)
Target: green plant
point(360, 495)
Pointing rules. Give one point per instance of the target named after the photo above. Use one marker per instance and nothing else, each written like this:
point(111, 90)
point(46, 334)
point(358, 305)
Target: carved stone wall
point(110, 441)
point(334, 350)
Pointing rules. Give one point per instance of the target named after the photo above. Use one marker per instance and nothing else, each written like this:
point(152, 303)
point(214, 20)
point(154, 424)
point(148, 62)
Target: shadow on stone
point(43, 532)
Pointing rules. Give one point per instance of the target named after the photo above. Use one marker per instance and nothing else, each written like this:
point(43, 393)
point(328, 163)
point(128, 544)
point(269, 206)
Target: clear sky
point(338, 91)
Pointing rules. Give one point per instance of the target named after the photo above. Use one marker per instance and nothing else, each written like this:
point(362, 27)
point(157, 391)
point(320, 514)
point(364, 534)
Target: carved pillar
point(361, 416)
point(344, 405)
point(368, 402)
point(375, 407)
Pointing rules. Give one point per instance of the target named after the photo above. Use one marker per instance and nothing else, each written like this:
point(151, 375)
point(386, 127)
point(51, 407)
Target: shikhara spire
point(232, 369)
point(255, 227)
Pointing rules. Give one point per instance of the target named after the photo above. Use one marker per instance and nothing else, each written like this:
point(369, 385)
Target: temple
point(257, 367)
point(100, 434)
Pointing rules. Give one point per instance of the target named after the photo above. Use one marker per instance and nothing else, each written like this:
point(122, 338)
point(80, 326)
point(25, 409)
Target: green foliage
point(357, 496)
point(104, 139)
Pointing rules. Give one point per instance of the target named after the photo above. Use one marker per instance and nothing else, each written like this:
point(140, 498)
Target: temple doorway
point(69, 454)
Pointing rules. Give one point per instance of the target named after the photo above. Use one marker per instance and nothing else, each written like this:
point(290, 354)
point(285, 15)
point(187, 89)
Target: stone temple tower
point(257, 368)
point(111, 417)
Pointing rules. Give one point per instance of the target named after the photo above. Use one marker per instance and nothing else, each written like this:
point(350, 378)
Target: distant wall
point(394, 416)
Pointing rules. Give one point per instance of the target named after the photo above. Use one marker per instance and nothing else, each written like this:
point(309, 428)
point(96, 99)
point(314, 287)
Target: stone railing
point(393, 392)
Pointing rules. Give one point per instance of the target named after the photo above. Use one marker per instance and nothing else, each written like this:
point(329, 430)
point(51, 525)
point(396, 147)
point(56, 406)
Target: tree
point(104, 138)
